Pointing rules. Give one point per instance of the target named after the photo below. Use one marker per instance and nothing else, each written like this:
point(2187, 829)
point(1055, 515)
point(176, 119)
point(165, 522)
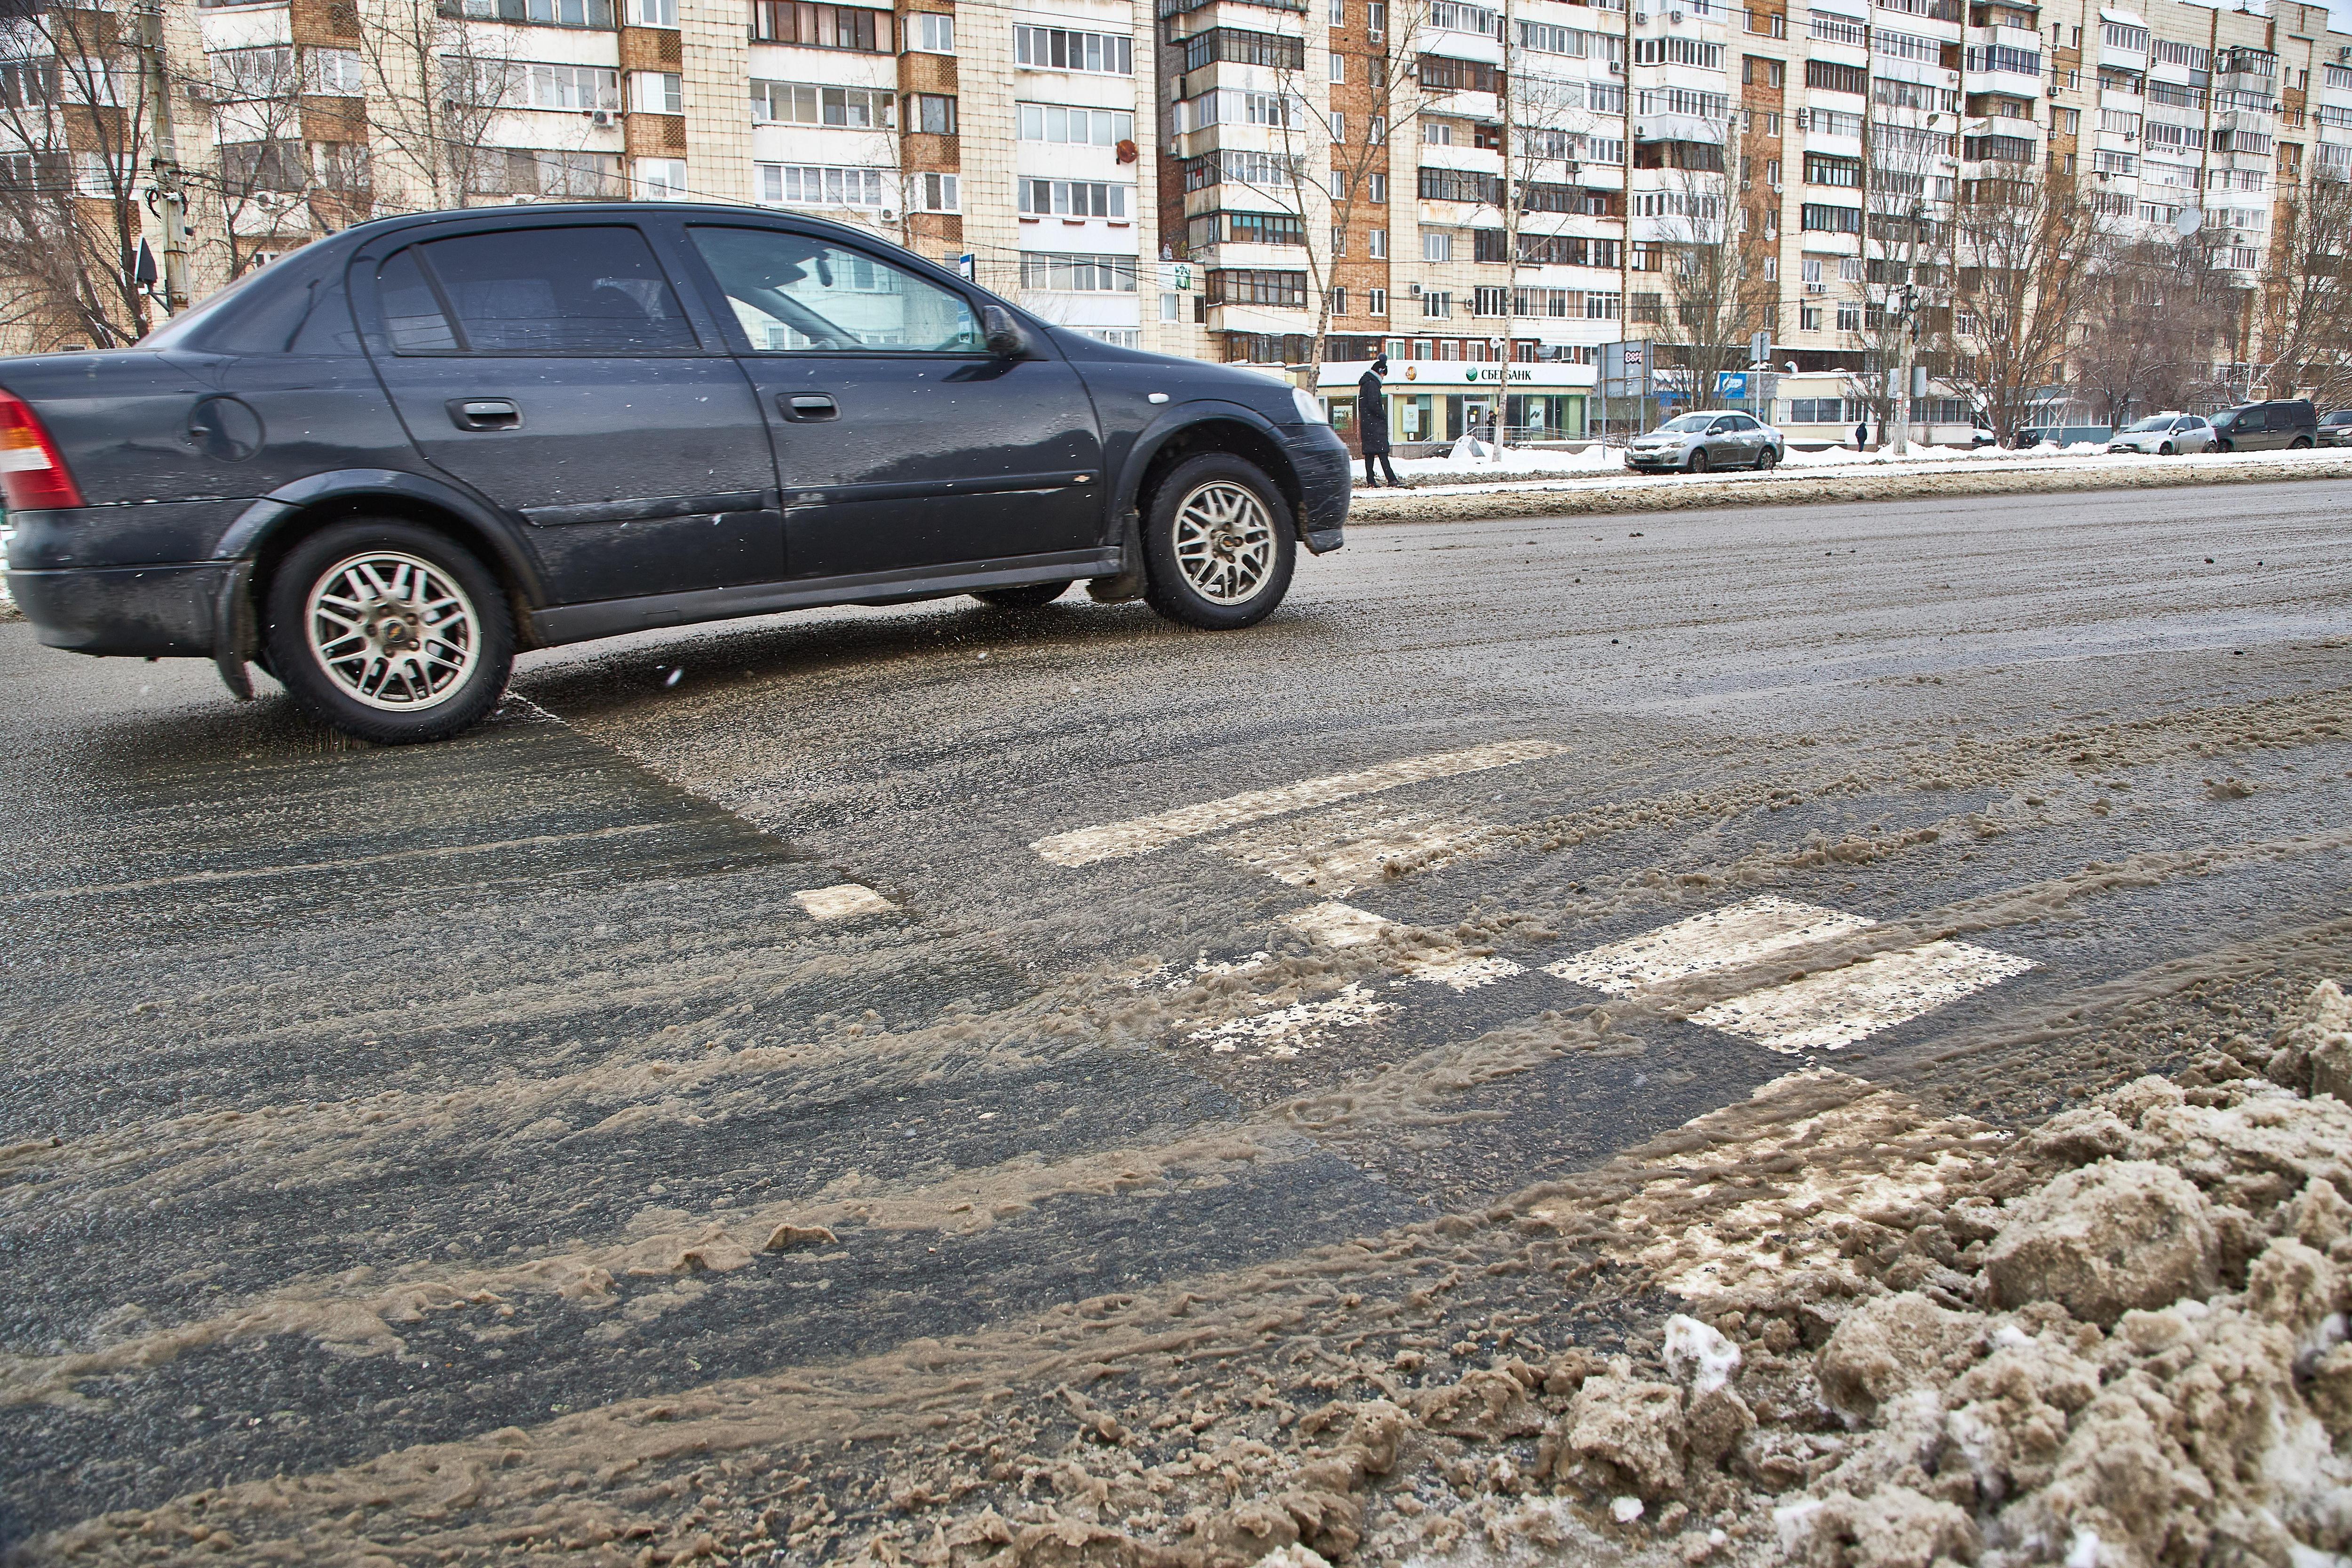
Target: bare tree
point(2154, 316)
point(2304, 307)
point(74, 113)
point(1321, 171)
point(434, 92)
point(1714, 288)
point(2020, 251)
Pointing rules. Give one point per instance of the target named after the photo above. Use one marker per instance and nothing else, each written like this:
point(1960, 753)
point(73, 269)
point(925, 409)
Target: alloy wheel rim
point(392, 630)
point(1225, 541)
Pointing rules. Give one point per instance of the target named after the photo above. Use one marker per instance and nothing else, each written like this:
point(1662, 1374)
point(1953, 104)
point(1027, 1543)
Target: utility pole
point(1906, 338)
point(170, 199)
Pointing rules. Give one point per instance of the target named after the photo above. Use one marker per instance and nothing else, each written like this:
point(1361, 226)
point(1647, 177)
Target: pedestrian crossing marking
point(1839, 1006)
point(1727, 938)
point(1338, 925)
point(841, 902)
point(1359, 847)
point(1142, 835)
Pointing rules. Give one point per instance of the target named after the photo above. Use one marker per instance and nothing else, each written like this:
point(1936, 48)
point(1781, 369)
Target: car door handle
point(802, 407)
point(485, 413)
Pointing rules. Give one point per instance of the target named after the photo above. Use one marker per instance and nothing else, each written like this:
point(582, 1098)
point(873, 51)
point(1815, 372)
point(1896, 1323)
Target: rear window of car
point(543, 291)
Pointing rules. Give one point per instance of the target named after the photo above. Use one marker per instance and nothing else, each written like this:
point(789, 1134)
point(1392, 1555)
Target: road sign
point(1731, 384)
point(1759, 348)
point(969, 265)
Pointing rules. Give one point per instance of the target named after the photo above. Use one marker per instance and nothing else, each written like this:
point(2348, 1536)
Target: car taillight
point(33, 475)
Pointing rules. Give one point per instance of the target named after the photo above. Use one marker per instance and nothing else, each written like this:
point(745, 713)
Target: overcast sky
point(2342, 11)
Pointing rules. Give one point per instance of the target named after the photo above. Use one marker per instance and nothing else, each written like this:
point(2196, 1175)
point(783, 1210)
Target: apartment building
point(1487, 194)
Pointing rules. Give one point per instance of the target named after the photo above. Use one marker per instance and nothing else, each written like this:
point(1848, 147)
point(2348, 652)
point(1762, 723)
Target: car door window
point(584, 290)
point(796, 294)
point(1741, 422)
point(1722, 428)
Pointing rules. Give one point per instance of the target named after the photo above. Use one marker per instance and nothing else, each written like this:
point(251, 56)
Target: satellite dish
point(2187, 221)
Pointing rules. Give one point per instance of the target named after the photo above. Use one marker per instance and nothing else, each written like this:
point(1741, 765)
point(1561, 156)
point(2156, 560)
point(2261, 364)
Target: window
point(1064, 49)
point(1338, 12)
point(1376, 301)
point(795, 293)
point(1377, 189)
point(1437, 133)
point(820, 26)
point(1849, 318)
point(1339, 240)
point(657, 92)
point(2004, 58)
point(1684, 100)
point(1436, 304)
point(932, 113)
point(930, 33)
point(1443, 73)
point(1603, 305)
point(2069, 121)
point(1442, 185)
point(1678, 52)
point(661, 179)
point(1376, 243)
point(591, 290)
point(1436, 245)
point(1808, 317)
point(2121, 36)
point(1172, 307)
point(2115, 162)
point(1242, 46)
point(1833, 220)
point(1339, 300)
point(1339, 126)
point(336, 73)
point(1376, 17)
point(805, 103)
point(1077, 127)
point(1339, 67)
point(1830, 77)
point(1757, 70)
point(1490, 299)
point(1059, 274)
point(1250, 286)
point(1544, 38)
point(1772, 172)
point(653, 13)
point(1821, 169)
point(573, 86)
point(1246, 228)
point(933, 193)
point(798, 185)
point(1379, 130)
point(1816, 410)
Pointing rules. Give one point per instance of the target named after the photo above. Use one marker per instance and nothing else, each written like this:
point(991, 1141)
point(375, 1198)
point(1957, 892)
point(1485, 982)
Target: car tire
point(1028, 596)
point(2222, 446)
point(1766, 459)
point(414, 591)
point(1699, 462)
point(2164, 449)
point(1218, 543)
point(2300, 443)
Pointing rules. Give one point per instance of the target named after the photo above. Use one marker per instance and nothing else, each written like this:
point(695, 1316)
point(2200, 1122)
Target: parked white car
point(2164, 434)
point(1698, 442)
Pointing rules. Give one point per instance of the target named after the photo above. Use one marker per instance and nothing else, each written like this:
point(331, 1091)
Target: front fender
point(1174, 421)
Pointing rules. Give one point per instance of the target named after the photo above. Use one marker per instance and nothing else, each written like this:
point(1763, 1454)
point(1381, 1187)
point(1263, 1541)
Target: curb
point(1795, 489)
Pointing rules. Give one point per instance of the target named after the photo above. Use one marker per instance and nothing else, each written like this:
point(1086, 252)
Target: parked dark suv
point(380, 465)
point(2288, 423)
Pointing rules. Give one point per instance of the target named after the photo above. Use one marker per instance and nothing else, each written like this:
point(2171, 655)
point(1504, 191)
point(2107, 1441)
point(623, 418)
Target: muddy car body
point(381, 465)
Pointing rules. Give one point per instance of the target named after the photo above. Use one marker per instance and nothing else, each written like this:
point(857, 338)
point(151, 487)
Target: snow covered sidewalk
point(1443, 490)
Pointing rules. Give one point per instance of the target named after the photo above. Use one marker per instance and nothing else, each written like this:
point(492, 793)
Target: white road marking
point(1139, 835)
point(1724, 939)
point(1344, 925)
point(1202, 969)
point(1357, 847)
point(1837, 1008)
point(1283, 1032)
point(841, 902)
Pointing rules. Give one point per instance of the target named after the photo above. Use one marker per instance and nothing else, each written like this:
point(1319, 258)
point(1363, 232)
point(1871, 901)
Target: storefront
point(1439, 400)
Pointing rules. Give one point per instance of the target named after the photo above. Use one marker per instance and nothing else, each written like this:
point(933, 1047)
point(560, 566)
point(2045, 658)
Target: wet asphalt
point(282, 1008)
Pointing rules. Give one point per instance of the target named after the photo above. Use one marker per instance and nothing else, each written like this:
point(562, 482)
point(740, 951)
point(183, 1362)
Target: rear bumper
point(155, 611)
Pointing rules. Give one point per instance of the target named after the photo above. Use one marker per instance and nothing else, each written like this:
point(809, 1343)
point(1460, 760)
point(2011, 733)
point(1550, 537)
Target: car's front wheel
point(1028, 596)
point(388, 631)
point(2222, 446)
point(1218, 545)
point(2164, 449)
point(1699, 462)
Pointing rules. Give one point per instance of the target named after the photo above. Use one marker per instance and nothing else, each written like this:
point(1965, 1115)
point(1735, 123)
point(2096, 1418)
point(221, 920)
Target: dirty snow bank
point(2117, 1342)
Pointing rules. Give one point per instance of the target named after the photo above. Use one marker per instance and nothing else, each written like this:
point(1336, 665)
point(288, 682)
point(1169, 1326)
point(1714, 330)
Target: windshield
point(2156, 422)
point(1687, 422)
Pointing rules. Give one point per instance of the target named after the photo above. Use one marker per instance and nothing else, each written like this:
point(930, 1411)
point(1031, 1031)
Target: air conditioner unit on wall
point(603, 119)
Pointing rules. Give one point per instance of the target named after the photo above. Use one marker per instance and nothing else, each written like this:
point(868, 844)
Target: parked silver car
point(1698, 442)
point(2164, 434)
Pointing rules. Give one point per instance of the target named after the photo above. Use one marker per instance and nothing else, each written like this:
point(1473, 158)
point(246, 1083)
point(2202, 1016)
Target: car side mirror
point(1004, 335)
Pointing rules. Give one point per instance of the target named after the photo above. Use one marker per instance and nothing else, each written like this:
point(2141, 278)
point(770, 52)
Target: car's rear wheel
point(388, 631)
point(1766, 458)
point(1218, 545)
point(1699, 462)
point(2300, 443)
point(1027, 596)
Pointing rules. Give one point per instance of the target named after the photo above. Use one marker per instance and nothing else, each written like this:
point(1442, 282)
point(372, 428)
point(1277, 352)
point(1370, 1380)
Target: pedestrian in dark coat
point(1861, 435)
point(1372, 422)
